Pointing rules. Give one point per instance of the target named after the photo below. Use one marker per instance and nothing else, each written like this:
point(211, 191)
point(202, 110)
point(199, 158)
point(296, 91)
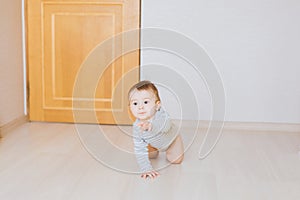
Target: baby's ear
point(158, 105)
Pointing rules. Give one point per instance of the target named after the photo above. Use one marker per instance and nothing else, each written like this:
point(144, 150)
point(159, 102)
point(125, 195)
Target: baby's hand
point(152, 174)
point(145, 126)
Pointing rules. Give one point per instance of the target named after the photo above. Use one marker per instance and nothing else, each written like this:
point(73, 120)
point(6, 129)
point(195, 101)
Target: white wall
point(254, 44)
point(11, 69)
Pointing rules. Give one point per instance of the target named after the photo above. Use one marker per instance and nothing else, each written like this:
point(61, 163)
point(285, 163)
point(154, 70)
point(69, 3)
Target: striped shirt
point(161, 136)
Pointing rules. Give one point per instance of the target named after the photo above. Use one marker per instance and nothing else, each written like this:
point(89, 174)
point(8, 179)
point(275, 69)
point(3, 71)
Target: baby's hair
point(144, 85)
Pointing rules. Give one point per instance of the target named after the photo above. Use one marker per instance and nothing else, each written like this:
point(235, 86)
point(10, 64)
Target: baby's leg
point(175, 151)
point(152, 152)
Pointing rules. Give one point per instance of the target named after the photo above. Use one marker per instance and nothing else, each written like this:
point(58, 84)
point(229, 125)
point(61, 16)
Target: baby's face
point(143, 104)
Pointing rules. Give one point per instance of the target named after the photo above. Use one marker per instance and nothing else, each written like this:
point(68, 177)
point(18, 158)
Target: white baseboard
point(4, 129)
point(245, 126)
point(262, 126)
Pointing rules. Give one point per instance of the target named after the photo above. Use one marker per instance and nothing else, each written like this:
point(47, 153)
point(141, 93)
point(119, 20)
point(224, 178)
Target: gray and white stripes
point(161, 135)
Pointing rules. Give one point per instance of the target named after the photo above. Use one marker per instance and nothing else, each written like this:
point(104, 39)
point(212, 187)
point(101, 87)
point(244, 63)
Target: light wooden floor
point(49, 161)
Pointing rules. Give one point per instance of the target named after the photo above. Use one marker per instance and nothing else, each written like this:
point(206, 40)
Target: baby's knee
point(179, 160)
point(175, 160)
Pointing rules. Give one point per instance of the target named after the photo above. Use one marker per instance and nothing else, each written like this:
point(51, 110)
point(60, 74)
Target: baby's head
point(144, 100)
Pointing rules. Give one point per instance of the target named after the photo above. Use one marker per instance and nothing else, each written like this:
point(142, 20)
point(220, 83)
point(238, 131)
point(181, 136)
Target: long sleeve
point(141, 152)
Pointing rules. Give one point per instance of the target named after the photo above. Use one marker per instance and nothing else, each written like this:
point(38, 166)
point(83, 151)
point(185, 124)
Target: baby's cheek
point(134, 112)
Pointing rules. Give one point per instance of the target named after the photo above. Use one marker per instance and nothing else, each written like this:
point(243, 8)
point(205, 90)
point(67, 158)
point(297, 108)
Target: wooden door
point(68, 44)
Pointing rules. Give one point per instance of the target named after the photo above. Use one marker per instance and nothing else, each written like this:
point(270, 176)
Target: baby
point(152, 130)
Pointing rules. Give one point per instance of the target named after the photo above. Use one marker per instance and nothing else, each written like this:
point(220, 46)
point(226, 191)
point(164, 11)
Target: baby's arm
point(141, 153)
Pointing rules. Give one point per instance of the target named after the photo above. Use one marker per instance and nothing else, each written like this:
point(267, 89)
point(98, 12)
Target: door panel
point(62, 36)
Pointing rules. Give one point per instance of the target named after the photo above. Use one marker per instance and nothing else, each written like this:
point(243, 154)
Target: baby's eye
point(146, 102)
point(134, 103)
